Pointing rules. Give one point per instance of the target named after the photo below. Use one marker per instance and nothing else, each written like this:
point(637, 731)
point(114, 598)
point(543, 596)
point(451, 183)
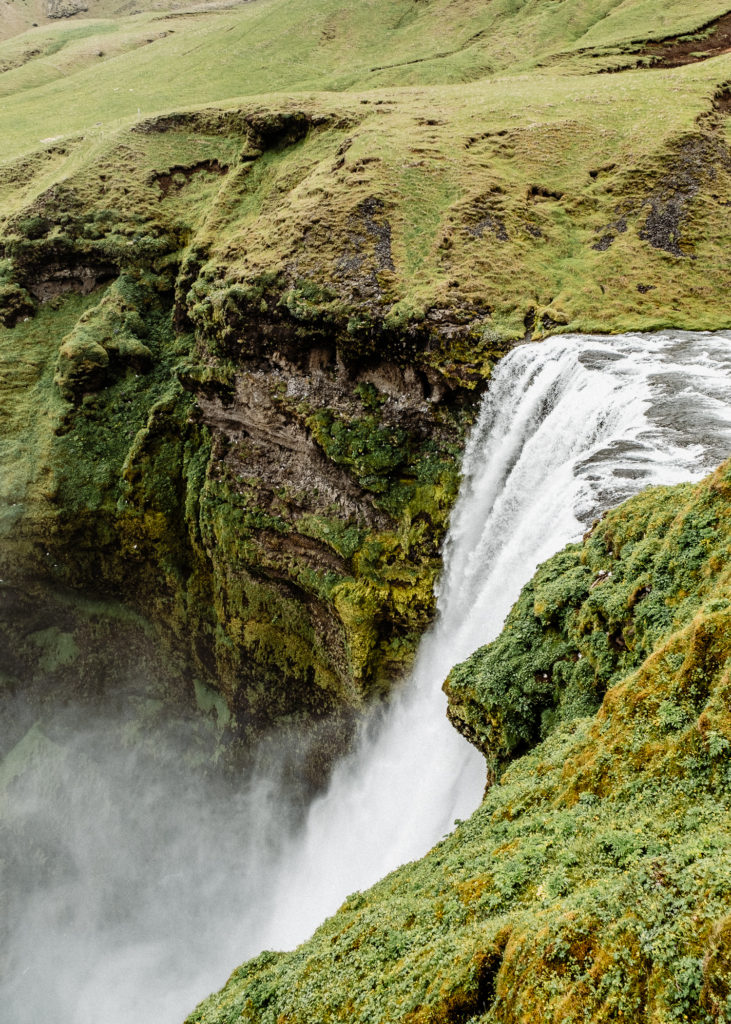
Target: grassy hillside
point(460, 147)
point(593, 882)
point(275, 46)
point(18, 16)
point(257, 263)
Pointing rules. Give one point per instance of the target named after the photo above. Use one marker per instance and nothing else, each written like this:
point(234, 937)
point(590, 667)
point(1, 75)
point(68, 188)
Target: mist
point(135, 873)
point(131, 881)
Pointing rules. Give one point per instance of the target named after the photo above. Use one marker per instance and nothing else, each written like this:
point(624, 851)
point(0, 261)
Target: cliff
point(592, 882)
point(256, 265)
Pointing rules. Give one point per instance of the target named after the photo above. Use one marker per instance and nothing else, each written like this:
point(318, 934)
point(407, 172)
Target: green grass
point(19, 17)
point(31, 408)
point(401, 190)
point(494, 138)
point(592, 884)
point(295, 46)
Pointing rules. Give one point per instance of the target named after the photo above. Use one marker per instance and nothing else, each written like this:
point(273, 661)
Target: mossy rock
point(82, 365)
point(591, 614)
point(15, 303)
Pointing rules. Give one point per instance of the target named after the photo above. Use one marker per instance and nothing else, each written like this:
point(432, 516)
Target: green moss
point(593, 613)
point(371, 451)
point(57, 648)
point(344, 538)
point(82, 362)
point(592, 882)
point(15, 303)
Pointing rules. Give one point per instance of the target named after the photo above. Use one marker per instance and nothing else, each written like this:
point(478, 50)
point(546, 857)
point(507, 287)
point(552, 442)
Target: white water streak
point(569, 427)
point(171, 888)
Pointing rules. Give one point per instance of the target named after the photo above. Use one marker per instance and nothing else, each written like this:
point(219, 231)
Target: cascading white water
point(570, 427)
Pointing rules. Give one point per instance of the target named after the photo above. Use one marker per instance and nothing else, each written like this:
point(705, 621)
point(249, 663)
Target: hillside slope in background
point(256, 265)
point(18, 16)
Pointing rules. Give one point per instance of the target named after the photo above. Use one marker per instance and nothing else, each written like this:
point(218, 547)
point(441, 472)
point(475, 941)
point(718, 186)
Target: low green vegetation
point(257, 262)
point(592, 614)
point(592, 884)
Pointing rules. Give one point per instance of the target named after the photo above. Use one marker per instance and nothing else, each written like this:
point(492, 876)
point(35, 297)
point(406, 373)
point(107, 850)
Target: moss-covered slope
point(270, 490)
point(256, 265)
point(594, 882)
point(591, 615)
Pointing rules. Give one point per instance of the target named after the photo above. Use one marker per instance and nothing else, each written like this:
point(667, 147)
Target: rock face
point(248, 465)
point(65, 8)
point(66, 655)
point(592, 883)
point(242, 343)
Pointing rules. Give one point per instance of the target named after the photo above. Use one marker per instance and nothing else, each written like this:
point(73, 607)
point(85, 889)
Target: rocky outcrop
point(65, 8)
point(591, 615)
point(258, 466)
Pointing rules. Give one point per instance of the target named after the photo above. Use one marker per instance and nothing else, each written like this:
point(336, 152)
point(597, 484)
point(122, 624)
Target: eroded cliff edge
point(259, 467)
point(242, 344)
point(593, 881)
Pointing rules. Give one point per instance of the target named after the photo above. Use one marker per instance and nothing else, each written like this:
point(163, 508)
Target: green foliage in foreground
point(594, 882)
point(591, 614)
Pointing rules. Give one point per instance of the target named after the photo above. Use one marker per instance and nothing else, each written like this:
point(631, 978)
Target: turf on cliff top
point(257, 263)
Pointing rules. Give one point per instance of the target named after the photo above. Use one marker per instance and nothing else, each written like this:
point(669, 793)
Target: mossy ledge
point(592, 884)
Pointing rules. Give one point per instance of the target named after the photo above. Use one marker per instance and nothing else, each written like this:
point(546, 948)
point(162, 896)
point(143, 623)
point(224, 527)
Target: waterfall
point(569, 427)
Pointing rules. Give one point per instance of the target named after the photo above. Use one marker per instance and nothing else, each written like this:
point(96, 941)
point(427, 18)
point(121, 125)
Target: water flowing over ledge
point(568, 429)
point(167, 888)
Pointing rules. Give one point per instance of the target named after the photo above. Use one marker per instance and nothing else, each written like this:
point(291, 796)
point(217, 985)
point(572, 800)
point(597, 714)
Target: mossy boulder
point(82, 364)
point(15, 303)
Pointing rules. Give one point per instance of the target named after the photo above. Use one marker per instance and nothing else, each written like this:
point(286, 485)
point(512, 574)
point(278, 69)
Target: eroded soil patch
point(177, 177)
point(675, 52)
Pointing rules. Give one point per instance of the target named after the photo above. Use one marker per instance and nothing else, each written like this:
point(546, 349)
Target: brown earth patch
point(18, 62)
point(680, 50)
point(179, 176)
point(710, 40)
point(722, 102)
point(696, 161)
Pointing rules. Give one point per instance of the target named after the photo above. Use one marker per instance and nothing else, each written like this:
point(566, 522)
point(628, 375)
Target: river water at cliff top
point(129, 890)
